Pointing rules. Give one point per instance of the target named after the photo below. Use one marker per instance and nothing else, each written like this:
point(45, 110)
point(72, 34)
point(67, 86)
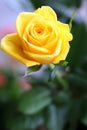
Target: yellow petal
point(41, 58)
point(22, 20)
point(45, 58)
point(47, 12)
point(58, 48)
point(38, 30)
point(51, 42)
point(63, 54)
point(36, 49)
point(31, 39)
point(66, 37)
point(64, 32)
point(12, 45)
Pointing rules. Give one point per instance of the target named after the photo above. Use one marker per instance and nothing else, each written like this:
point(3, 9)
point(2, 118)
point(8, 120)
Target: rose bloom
point(40, 38)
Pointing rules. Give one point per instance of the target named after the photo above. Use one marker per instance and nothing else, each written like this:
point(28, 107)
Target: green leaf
point(84, 110)
point(78, 80)
point(74, 113)
point(55, 117)
point(51, 120)
point(34, 100)
point(84, 119)
point(78, 46)
point(4, 95)
point(32, 69)
point(61, 98)
point(63, 63)
point(17, 121)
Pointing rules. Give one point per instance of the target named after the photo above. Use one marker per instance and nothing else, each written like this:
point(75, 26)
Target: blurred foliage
point(78, 51)
point(56, 2)
point(57, 99)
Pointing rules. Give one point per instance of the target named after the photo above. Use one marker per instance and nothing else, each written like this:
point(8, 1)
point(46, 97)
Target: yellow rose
point(40, 38)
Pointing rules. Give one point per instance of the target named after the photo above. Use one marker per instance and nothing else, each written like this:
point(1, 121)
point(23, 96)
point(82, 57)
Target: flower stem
point(72, 17)
point(51, 66)
point(58, 76)
point(62, 81)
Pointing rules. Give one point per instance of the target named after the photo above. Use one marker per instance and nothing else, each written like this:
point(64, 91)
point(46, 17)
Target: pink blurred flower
point(3, 80)
point(24, 84)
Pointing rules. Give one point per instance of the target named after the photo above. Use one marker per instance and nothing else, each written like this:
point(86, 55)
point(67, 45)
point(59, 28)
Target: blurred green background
point(42, 101)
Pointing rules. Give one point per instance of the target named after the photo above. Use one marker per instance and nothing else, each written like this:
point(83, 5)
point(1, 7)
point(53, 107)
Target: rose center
point(39, 30)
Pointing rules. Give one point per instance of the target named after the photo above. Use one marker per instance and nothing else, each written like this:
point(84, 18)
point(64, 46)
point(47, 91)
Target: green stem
point(72, 17)
point(51, 66)
point(61, 81)
point(59, 77)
